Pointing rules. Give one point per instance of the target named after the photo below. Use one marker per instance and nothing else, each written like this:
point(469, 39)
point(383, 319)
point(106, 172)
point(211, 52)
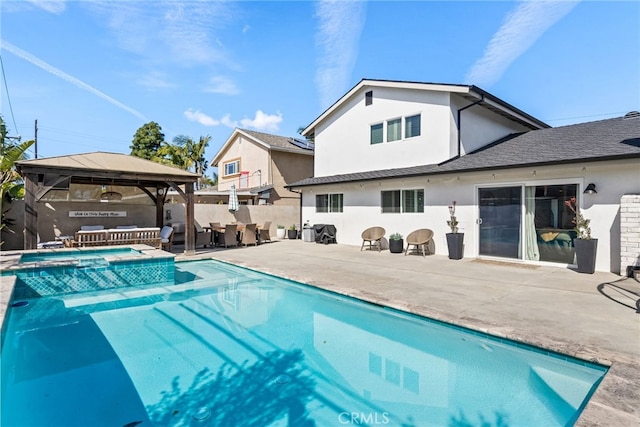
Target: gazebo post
point(190, 226)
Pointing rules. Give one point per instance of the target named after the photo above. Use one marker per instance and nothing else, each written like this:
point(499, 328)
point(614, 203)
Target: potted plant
point(292, 233)
point(280, 231)
point(455, 240)
point(396, 243)
point(586, 247)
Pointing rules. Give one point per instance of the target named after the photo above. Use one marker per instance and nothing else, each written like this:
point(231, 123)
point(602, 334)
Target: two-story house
point(260, 165)
point(398, 154)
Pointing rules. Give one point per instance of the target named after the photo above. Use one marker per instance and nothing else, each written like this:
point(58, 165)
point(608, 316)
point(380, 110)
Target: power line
point(4, 78)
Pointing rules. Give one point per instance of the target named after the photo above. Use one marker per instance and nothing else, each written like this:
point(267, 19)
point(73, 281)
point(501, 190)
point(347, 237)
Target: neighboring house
point(260, 165)
point(398, 154)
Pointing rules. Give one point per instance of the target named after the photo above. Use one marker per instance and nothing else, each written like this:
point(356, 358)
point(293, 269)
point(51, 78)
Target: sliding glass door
point(500, 221)
point(544, 233)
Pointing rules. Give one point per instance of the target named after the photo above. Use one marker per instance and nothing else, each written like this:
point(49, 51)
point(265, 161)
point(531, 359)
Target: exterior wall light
point(591, 189)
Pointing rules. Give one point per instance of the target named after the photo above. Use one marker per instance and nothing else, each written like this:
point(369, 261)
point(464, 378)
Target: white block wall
point(629, 231)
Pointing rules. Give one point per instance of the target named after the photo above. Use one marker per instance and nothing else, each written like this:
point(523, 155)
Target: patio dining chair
point(373, 235)
point(249, 235)
point(230, 236)
point(420, 239)
point(263, 234)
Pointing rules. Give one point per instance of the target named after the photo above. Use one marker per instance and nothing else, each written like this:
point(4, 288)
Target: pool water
point(76, 254)
point(226, 346)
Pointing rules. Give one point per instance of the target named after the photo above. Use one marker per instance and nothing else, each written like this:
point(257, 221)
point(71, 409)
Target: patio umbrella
point(233, 199)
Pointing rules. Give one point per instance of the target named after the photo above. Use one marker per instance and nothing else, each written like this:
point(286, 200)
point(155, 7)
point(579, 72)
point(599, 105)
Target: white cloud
point(51, 6)
point(199, 117)
point(339, 29)
point(520, 30)
point(223, 85)
point(66, 77)
point(261, 121)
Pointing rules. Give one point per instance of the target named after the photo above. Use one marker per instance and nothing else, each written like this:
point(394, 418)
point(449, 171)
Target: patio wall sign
point(97, 214)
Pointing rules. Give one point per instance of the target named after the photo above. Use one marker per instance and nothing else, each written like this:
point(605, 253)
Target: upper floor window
point(394, 130)
point(402, 201)
point(368, 98)
point(412, 126)
point(377, 133)
point(329, 202)
point(232, 167)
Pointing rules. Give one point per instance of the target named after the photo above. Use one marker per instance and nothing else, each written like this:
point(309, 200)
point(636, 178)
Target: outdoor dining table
point(239, 227)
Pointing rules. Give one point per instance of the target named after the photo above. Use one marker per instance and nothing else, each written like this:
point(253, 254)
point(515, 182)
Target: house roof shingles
point(609, 139)
point(276, 141)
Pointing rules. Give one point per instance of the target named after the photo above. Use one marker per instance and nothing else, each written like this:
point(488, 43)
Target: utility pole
point(35, 137)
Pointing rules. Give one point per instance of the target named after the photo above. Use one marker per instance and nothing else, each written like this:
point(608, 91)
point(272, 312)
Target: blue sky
point(93, 72)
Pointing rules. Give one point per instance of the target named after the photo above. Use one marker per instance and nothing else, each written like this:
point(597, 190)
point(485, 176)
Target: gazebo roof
point(101, 167)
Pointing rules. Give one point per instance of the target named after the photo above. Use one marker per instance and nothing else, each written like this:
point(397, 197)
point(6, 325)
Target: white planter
point(280, 232)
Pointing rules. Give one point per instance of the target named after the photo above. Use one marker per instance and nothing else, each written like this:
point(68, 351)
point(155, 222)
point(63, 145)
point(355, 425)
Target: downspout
point(459, 125)
point(300, 208)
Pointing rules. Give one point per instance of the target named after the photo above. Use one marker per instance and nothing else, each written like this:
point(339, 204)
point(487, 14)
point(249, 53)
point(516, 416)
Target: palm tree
point(194, 153)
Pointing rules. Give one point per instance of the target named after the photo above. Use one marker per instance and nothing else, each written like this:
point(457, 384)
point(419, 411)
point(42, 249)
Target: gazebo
point(108, 170)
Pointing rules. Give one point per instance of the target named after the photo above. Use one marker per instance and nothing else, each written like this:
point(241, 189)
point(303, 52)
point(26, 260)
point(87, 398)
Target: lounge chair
point(249, 235)
point(420, 239)
point(166, 237)
point(264, 234)
point(373, 235)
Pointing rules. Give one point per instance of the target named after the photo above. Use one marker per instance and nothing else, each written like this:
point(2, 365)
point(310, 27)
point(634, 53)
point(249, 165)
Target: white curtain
point(532, 252)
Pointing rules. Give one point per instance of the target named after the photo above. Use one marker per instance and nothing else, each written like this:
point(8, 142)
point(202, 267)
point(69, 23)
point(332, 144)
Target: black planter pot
point(396, 246)
point(586, 255)
point(455, 243)
point(292, 234)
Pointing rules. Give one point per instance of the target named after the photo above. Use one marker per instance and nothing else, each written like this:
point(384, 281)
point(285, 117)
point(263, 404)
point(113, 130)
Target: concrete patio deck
point(593, 317)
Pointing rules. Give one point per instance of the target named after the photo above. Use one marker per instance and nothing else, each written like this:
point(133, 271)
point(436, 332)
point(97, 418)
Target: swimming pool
point(229, 346)
point(77, 254)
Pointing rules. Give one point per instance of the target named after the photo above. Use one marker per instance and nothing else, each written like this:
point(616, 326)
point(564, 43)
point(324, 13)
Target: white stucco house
point(397, 154)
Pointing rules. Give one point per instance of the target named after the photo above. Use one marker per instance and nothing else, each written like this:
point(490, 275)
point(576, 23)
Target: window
point(232, 168)
point(412, 201)
point(368, 98)
point(376, 133)
point(412, 126)
point(391, 201)
point(329, 203)
point(335, 202)
point(394, 130)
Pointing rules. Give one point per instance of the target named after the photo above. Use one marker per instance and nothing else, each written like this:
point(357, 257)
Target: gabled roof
point(268, 141)
point(470, 92)
point(101, 163)
point(610, 139)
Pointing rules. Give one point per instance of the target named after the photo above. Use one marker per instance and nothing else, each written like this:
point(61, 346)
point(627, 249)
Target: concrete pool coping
point(586, 316)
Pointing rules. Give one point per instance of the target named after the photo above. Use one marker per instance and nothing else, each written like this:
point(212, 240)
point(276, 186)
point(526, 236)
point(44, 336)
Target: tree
point(194, 153)
point(147, 141)
point(11, 185)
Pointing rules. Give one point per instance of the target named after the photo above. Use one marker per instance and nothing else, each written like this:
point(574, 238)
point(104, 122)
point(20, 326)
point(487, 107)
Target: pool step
point(562, 394)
